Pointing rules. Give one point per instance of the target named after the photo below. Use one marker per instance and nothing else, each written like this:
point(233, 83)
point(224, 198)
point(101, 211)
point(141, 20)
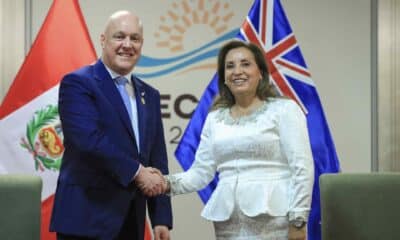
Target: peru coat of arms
point(44, 139)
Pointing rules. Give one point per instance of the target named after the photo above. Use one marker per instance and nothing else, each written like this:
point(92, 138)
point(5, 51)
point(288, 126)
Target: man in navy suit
point(114, 145)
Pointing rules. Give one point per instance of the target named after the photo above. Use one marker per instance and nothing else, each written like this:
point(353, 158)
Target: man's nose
point(126, 42)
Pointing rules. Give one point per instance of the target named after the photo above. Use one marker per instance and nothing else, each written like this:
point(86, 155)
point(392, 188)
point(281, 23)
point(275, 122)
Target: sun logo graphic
point(189, 18)
point(192, 31)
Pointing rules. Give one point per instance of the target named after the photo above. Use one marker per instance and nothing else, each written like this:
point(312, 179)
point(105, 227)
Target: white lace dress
point(265, 171)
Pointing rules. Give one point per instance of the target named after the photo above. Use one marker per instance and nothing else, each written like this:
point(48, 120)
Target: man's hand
point(150, 181)
point(296, 233)
point(161, 233)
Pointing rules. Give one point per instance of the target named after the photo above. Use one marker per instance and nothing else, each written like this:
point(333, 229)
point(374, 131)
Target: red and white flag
point(31, 137)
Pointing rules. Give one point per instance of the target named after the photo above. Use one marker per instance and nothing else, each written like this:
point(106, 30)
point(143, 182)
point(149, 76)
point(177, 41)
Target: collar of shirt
point(115, 75)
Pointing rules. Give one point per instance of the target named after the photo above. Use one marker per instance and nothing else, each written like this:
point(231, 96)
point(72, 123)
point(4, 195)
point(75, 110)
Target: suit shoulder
point(85, 72)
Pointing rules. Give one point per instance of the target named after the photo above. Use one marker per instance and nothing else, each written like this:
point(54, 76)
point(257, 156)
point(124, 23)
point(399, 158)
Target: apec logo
point(184, 24)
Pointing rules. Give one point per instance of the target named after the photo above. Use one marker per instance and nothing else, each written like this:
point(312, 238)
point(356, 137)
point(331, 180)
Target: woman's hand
point(297, 233)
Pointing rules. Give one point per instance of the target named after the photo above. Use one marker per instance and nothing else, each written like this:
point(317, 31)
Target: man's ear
point(102, 39)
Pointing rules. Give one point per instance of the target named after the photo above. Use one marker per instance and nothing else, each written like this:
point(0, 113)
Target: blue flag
point(268, 27)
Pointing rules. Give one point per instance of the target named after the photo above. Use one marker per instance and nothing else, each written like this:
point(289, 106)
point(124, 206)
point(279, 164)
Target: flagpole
point(28, 26)
point(374, 87)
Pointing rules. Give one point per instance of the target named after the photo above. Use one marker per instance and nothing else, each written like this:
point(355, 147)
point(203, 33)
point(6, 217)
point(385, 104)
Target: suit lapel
point(109, 89)
point(140, 95)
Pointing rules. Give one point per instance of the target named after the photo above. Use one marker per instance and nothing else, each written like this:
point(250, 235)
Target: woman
point(259, 145)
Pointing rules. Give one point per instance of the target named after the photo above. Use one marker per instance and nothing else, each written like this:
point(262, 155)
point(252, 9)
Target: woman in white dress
point(259, 145)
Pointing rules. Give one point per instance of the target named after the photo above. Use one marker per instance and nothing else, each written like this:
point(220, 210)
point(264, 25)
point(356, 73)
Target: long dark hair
point(264, 88)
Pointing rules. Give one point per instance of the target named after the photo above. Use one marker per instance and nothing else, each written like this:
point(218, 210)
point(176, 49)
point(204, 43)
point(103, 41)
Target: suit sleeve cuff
point(137, 172)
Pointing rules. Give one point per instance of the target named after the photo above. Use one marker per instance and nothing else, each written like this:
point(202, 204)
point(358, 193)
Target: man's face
point(122, 43)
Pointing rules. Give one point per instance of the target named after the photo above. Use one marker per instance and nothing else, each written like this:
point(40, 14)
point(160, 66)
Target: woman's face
point(242, 74)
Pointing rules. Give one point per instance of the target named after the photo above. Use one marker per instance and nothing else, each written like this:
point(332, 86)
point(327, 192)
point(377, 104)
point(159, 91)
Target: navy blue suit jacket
point(94, 188)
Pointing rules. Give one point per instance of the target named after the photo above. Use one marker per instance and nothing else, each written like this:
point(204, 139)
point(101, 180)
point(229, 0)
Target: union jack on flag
point(267, 26)
point(278, 43)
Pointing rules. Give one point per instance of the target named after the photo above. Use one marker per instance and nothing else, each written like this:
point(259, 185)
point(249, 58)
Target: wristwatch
point(298, 222)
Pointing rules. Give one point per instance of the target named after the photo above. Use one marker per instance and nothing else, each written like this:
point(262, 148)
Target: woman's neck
point(245, 106)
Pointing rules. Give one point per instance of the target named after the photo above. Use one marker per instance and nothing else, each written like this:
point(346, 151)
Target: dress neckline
point(225, 115)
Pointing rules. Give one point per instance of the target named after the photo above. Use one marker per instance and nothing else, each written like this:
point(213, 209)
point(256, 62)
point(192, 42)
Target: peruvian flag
point(31, 137)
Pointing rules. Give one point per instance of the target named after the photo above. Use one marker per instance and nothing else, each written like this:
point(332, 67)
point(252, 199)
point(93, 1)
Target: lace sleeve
point(296, 146)
point(203, 169)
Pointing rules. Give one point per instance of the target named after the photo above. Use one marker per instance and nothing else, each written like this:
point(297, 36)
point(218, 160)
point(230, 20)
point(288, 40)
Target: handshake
point(151, 182)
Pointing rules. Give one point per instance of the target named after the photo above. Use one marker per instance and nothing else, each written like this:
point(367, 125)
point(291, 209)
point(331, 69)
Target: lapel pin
point(142, 98)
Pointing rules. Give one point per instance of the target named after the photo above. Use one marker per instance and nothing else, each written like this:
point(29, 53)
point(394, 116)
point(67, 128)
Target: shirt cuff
point(294, 215)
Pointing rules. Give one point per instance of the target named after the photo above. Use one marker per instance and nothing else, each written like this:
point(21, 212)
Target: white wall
point(335, 37)
point(12, 53)
point(335, 40)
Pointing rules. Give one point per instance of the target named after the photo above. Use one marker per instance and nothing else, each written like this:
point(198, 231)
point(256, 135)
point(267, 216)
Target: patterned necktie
point(121, 83)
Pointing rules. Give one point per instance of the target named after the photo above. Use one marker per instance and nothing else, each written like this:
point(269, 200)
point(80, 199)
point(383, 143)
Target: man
point(111, 138)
